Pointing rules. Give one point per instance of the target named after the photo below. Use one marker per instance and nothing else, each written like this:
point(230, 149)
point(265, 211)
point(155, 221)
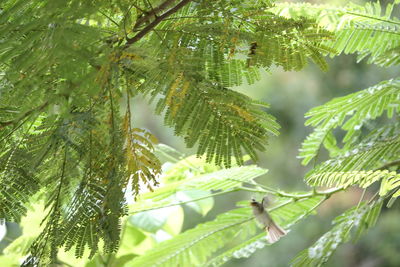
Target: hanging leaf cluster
point(68, 73)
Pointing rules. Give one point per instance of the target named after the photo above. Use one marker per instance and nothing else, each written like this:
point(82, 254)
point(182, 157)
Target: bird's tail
point(274, 232)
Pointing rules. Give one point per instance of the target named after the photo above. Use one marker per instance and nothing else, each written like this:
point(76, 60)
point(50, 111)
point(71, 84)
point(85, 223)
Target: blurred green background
point(291, 95)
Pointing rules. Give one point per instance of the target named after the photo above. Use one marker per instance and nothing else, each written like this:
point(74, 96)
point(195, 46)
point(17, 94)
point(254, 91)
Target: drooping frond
point(66, 68)
point(223, 122)
point(190, 72)
point(365, 104)
point(365, 156)
point(84, 192)
point(314, 141)
point(350, 112)
point(357, 219)
point(363, 29)
point(390, 180)
point(243, 250)
point(198, 244)
point(206, 112)
point(141, 162)
point(289, 214)
point(19, 185)
point(20, 175)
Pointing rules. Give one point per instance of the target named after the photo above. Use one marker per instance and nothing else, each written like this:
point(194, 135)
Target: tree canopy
point(68, 73)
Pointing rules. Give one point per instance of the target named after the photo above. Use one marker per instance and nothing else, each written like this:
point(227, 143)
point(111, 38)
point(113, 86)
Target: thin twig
point(138, 8)
point(387, 165)
point(326, 193)
point(373, 197)
point(23, 116)
point(361, 198)
point(188, 201)
point(188, 17)
point(109, 18)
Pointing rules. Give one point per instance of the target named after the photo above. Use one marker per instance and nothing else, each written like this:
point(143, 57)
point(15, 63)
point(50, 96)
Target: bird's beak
point(253, 202)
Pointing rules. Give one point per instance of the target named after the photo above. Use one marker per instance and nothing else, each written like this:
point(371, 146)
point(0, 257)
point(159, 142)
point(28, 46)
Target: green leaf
point(358, 218)
point(236, 226)
point(132, 236)
point(204, 239)
point(243, 250)
point(202, 206)
point(351, 112)
point(220, 180)
point(151, 221)
point(174, 223)
point(359, 29)
point(390, 180)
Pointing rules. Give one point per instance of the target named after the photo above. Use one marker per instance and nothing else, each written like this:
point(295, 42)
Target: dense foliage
point(70, 69)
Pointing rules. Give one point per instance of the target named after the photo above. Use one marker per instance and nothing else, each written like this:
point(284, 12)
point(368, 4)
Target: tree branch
point(187, 201)
point(26, 114)
point(157, 20)
point(389, 164)
point(151, 13)
point(294, 197)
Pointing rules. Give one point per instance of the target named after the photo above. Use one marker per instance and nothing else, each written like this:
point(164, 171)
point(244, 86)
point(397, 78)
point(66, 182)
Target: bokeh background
point(291, 95)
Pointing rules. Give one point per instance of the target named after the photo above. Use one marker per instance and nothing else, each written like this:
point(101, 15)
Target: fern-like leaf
point(358, 219)
point(390, 180)
point(361, 107)
point(287, 214)
point(366, 156)
point(362, 29)
point(223, 180)
point(195, 246)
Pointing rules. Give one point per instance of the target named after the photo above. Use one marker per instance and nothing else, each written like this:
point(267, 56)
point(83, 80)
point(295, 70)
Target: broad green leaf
point(202, 206)
point(151, 220)
point(174, 223)
point(219, 180)
point(197, 245)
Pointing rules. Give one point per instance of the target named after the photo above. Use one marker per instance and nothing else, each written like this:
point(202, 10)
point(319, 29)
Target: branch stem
point(23, 116)
point(188, 201)
point(154, 23)
point(326, 193)
point(389, 164)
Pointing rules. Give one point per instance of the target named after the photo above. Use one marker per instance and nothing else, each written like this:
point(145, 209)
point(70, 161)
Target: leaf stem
point(361, 198)
point(389, 164)
point(153, 24)
point(326, 193)
point(372, 17)
point(23, 116)
point(314, 192)
point(188, 201)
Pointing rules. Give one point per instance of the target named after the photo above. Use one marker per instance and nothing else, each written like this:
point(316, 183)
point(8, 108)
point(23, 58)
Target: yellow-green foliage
point(68, 70)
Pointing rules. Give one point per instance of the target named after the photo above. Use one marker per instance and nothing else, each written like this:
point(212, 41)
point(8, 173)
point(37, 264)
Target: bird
point(274, 231)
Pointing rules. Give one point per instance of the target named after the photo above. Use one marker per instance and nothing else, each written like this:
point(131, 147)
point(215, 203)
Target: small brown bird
point(274, 232)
